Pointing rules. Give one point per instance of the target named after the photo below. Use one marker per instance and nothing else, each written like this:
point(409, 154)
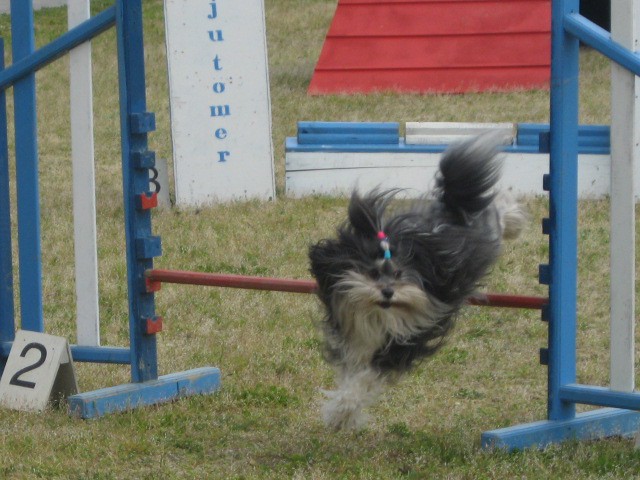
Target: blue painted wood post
point(561, 274)
point(142, 246)
point(28, 193)
point(563, 219)
point(7, 311)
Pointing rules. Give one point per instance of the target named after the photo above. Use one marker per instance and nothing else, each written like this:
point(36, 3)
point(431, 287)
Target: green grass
point(264, 423)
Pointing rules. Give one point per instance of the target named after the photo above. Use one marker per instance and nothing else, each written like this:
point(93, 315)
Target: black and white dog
point(395, 277)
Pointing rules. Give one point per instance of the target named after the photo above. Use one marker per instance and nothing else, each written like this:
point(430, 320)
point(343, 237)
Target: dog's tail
point(469, 172)
point(466, 183)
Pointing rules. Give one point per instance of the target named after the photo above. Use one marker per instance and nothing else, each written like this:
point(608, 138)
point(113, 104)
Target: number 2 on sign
point(15, 379)
point(39, 368)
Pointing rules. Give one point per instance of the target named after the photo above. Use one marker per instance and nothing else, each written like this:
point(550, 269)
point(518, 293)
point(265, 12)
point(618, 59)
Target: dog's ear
point(365, 213)
point(327, 257)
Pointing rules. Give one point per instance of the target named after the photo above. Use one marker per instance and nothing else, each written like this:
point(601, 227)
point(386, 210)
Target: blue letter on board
point(215, 36)
point(223, 156)
point(220, 110)
point(214, 11)
point(216, 63)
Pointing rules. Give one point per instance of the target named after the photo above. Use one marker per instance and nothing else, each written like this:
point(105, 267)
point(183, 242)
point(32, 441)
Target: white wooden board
point(84, 192)
point(337, 173)
point(219, 97)
point(625, 117)
point(446, 133)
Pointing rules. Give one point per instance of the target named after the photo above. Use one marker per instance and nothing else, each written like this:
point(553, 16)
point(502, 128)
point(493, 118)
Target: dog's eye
point(397, 274)
point(374, 274)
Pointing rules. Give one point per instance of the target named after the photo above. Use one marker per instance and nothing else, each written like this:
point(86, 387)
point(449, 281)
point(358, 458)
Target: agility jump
point(622, 402)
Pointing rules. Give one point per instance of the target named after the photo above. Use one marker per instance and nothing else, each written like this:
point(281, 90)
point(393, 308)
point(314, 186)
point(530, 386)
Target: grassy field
point(264, 422)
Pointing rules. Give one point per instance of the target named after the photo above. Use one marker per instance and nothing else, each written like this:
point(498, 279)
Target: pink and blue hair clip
point(384, 244)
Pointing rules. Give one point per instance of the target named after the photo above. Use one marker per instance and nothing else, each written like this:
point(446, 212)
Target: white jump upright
point(625, 138)
point(84, 194)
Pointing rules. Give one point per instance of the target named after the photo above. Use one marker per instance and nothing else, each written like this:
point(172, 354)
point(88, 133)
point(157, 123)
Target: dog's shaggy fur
point(393, 279)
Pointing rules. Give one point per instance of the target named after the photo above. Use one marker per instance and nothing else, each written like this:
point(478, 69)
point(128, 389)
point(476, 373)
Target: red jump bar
point(157, 276)
point(230, 281)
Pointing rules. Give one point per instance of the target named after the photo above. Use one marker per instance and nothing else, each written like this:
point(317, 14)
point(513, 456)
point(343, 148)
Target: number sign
point(39, 369)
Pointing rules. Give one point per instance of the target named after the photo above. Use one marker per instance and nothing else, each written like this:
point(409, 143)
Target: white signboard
point(220, 106)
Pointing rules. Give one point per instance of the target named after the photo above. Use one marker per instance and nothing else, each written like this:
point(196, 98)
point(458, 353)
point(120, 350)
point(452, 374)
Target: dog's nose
point(387, 292)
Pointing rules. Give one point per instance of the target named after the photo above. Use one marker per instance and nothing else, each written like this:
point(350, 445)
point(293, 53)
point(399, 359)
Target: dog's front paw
point(342, 412)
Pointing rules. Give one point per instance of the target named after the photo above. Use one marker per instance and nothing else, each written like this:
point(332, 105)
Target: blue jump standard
point(164, 389)
point(620, 417)
point(141, 246)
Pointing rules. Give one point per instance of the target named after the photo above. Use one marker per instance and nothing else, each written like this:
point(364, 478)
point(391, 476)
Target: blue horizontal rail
point(600, 396)
point(293, 145)
point(594, 139)
point(384, 137)
point(80, 353)
point(119, 355)
point(348, 133)
point(599, 39)
point(349, 127)
point(58, 47)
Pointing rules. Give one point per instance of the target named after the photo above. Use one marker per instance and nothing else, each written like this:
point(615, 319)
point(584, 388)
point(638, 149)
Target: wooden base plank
point(134, 395)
